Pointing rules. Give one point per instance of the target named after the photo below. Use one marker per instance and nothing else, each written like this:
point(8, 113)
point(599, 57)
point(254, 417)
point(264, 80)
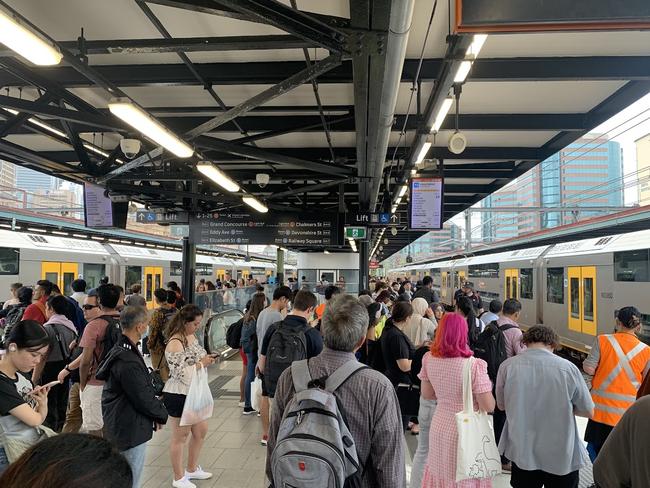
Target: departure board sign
point(426, 204)
point(98, 208)
point(485, 16)
point(309, 230)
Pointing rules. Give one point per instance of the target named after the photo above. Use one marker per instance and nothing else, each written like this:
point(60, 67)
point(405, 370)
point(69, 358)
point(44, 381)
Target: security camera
point(262, 179)
point(130, 147)
point(457, 143)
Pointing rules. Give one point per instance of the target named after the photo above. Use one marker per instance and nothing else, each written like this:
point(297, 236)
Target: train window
point(488, 270)
point(93, 273)
point(589, 299)
point(644, 333)
point(575, 298)
point(176, 268)
point(133, 275)
point(203, 269)
point(9, 260)
point(555, 285)
point(631, 266)
point(526, 283)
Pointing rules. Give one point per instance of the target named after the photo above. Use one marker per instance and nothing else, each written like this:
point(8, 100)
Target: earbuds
point(12, 348)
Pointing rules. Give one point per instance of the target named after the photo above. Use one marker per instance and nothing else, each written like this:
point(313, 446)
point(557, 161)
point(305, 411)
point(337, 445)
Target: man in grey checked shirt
point(367, 398)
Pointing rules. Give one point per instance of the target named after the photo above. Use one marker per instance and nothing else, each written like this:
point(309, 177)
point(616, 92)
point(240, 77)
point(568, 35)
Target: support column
point(364, 265)
point(468, 230)
point(279, 262)
point(189, 269)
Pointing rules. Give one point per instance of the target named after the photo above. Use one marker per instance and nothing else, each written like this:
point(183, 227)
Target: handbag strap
point(468, 397)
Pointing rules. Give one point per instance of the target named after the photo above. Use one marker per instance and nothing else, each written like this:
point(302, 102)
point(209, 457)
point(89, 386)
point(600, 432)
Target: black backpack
point(491, 347)
point(286, 345)
point(111, 337)
point(233, 334)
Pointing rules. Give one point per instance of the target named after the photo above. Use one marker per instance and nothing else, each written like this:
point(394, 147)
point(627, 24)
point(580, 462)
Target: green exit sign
point(355, 232)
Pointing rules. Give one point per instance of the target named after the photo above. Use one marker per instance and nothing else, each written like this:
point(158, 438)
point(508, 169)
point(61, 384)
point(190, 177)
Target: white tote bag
point(256, 394)
point(199, 402)
point(477, 455)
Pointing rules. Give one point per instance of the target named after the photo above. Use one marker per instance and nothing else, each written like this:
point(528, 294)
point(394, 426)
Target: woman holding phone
point(183, 353)
point(23, 408)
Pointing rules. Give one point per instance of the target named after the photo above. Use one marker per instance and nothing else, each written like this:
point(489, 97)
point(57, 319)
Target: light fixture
point(326, 251)
point(25, 41)
point(353, 245)
point(403, 190)
point(414, 172)
point(256, 204)
point(140, 120)
point(476, 45)
point(423, 152)
point(95, 149)
point(442, 113)
point(463, 71)
point(394, 209)
point(218, 176)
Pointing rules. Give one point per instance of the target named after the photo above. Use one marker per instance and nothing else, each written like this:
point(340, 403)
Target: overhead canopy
point(316, 125)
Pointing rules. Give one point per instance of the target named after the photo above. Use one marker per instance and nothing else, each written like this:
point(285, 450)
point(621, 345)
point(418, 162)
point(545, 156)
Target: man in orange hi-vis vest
point(618, 363)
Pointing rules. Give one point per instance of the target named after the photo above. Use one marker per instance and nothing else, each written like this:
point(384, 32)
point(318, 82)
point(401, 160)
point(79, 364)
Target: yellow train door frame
point(511, 283)
point(582, 309)
point(61, 274)
point(443, 284)
point(152, 281)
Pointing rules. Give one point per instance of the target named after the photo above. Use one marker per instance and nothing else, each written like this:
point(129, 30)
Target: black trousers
point(536, 479)
point(499, 419)
point(57, 399)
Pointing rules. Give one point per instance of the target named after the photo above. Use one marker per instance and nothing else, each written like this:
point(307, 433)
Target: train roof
point(50, 243)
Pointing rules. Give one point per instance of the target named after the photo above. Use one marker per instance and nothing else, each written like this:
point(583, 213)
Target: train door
point(582, 299)
point(61, 274)
point(152, 281)
point(444, 276)
point(511, 281)
point(221, 275)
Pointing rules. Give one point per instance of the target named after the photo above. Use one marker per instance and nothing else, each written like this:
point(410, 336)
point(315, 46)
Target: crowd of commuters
point(398, 354)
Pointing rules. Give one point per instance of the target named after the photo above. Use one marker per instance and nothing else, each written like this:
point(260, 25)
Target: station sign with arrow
point(150, 217)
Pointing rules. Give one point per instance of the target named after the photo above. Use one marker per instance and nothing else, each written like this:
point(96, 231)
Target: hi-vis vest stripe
point(617, 378)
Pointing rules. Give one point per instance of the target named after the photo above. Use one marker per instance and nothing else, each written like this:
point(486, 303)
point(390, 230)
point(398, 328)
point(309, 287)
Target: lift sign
point(426, 204)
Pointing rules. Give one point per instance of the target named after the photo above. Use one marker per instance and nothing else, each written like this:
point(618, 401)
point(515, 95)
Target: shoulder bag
point(477, 455)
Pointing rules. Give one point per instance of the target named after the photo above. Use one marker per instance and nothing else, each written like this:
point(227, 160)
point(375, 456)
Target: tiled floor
point(232, 451)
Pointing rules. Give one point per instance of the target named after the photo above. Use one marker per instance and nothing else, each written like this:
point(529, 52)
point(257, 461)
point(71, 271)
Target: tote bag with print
point(477, 455)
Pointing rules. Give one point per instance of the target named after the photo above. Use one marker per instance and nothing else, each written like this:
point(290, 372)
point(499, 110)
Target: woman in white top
point(421, 326)
point(183, 352)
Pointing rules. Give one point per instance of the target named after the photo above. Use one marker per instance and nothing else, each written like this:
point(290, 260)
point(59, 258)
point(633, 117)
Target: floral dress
point(180, 367)
point(446, 377)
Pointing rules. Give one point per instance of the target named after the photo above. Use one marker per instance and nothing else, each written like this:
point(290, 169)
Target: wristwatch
point(67, 368)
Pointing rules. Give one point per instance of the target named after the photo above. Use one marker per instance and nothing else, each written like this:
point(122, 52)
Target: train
point(28, 257)
point(575, 287)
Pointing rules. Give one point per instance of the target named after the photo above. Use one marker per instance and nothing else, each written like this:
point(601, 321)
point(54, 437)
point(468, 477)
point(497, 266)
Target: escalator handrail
point(215, 316)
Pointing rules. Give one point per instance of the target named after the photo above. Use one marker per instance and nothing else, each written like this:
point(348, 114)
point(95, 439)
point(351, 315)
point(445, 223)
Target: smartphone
point(48, 385)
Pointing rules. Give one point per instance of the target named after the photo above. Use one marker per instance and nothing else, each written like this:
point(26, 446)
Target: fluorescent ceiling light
point(463, 71)
point(254, 203)
point(353, 245)
point(442, 113)
point(25, 41)
point(394, 209)
point(326, 251)
point(150, 127)
point(414, 172)
point(218, 176)
point(476, 45)
point(402, 191)
point(423, 152)
point(95, 149)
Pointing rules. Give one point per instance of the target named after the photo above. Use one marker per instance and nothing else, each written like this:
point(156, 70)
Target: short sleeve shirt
point(13, 393)
point(396, 345)
point(266, 317)
point(92, 337)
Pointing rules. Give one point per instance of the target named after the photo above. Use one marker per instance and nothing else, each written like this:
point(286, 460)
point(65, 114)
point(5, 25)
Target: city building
point(7, 184)
point(587, 173)
point(431, 244)
point(32, 181)
point(643, 168)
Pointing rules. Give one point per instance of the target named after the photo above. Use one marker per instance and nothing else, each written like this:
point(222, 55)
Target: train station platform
point(232, 450)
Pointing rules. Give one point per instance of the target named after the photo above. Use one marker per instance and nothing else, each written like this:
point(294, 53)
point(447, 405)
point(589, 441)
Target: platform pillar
point(279, 262)
point(189, 269)
point(364, 266)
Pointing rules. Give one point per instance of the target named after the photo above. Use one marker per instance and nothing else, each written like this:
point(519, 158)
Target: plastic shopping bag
point(477, 455)
point(256, 394)
point(199, 402)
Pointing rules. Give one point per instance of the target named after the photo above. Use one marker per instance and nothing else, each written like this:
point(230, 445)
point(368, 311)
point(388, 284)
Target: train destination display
point(426, 204)
point(98, 208)
point(283, 230)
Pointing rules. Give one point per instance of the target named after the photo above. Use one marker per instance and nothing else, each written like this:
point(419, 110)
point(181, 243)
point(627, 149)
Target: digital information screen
point(98, 208)
point(425, 210)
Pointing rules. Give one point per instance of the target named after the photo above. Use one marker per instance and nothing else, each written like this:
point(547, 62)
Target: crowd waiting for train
point(340, 383)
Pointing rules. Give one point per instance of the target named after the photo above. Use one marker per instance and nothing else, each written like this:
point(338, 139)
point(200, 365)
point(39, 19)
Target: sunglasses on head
point(89, 307)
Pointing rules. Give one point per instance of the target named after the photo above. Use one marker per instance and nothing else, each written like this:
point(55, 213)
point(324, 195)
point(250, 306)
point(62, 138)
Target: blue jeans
point(4, 462)
point(425, 414)
point(135, 458)
point(250, 377)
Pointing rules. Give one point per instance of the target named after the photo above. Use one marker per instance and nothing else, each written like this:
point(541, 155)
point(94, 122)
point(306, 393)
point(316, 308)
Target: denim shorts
point(4, 462)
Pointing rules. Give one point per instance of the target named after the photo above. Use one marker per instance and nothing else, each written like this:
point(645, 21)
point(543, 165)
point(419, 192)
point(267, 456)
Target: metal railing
point(215, 328)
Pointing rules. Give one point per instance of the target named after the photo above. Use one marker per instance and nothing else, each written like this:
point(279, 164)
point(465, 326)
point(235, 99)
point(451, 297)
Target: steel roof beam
point(301, 128)
point(596, 68)
point(289, 20)
point(263, 155)
point(306, 189)
point(16, 121)
point(275, 91)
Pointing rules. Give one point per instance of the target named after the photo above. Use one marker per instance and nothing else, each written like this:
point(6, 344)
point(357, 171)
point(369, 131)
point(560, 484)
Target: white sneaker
point(199, 474)
point(184, 482)
point(241, 404)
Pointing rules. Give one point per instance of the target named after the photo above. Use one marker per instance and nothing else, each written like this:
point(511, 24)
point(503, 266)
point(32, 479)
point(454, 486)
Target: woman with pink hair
point(442, 380)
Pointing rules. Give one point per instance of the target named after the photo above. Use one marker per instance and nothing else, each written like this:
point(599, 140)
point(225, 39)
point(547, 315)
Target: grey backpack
point(314, 446)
